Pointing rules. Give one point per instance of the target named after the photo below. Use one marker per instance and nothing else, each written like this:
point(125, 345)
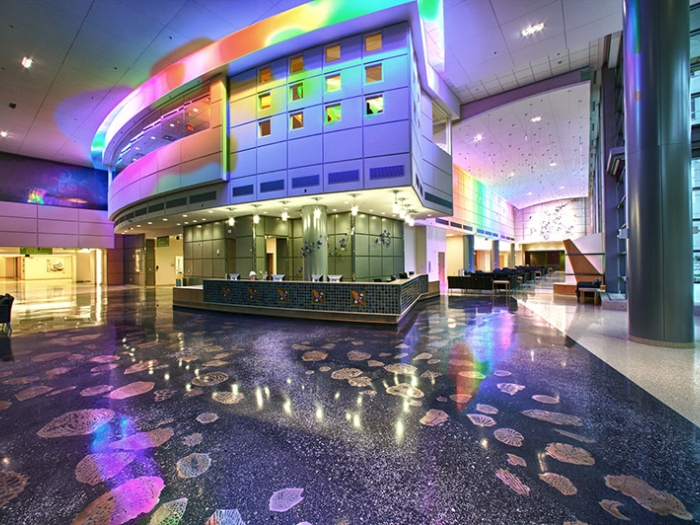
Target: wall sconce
point(231, 221)
point(355, 207)
point(395, 208)
point(256, 219)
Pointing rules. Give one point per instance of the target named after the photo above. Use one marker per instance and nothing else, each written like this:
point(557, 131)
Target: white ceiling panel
point(578, 13)
point(508, 10)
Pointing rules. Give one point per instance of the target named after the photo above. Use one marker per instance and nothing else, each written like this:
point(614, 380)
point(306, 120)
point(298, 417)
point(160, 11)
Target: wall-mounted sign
point(162, 242)
point(36, 251)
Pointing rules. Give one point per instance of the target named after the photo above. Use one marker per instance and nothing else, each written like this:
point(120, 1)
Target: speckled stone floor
point(114, 408)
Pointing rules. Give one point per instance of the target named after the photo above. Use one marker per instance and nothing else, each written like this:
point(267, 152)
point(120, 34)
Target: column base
point(666, 344)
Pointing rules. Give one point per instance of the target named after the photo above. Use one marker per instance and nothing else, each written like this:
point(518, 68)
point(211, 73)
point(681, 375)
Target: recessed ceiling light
point(27, 62)
point(3, 134)
point(149, 222)
point(196, 110)
point(529, 193)
point(172, 125)
point(184, 215)
point(138, 225)
point(561, 187)
point(478, 137)
point(165, 220)
point(535, 119)
point(210, 211)
point(335, 209)
point(531, 30)
point(194, 220)
point(552, 164)
point(371, 211)
point(178, 224)
point(187, 222)
point(153, 137)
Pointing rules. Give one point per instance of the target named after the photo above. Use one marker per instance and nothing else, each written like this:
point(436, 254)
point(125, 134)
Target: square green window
point(265, 100)
point(265, 74)
point(373, 42)
point(333, 53)
point(374, 105)
point(297, 120)
point(264, 128)
point(333, 113)
point(297, 91)
point(296, 64)
point(333, 83)
point(373, 74)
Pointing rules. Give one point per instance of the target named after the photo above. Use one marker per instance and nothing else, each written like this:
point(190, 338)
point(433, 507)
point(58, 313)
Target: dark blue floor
point(360, 454)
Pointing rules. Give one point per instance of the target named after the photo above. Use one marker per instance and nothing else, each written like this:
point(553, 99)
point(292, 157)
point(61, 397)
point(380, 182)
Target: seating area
point(504, 279)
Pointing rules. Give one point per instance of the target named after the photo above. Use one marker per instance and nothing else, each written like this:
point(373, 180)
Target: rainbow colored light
point(299, 21)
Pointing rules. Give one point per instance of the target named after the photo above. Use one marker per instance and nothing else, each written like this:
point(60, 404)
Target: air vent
point(241, 191)
point(156, 207)
point(387, 172)
point(273, 185)
point(176, 203)
point(203, 197)
point(468, 228)
point(438, 200)
point(306, 181)
point(340, 177)
point(480, 231)
point(442, 221)
point(142, 211)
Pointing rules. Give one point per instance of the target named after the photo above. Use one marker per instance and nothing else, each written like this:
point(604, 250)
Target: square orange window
point(373, 42)
point(296, 64)
point(265, 74)
point(333, 53)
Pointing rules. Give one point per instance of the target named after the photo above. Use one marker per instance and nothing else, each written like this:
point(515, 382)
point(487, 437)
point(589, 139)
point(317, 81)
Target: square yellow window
point(333, 113)
point(297, 120)
point(374, 74)
point(265, 100)
point(373, 42)
point(333, 83)
point(264, 128)
point(296, 91)
point(296, 64)
point(374, 105)
point(333, 53)
point(265, 74)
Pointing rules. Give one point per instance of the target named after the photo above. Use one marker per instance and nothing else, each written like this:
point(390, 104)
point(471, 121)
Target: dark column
point(610, 197)
point(657, 126)
point(495, 254)
point(468, 253)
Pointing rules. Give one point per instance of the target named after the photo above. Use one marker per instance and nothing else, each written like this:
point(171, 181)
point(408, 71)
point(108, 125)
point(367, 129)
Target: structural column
point(468, 256)
point(315, 249)
point(657, 127)
point(495, 253)
point(511, 256)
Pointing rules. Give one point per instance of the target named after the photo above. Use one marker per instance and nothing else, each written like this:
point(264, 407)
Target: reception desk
point(384, 303)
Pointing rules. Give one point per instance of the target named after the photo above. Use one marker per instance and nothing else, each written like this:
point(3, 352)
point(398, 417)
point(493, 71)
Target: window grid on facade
point(296, 91)
point(297, 120)
point(373, 42)
point(264, 128)
point(333, 113)
point(374, 105)
point(296, 64)
point(333, 83)
point(333, 53)
point(265, 100)
point(374, 74)
point(264, 75)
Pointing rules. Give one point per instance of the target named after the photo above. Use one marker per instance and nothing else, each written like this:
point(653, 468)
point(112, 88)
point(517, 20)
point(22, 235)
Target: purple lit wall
point(41, 182)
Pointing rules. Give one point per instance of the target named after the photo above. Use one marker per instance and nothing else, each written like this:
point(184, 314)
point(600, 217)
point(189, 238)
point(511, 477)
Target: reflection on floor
point(117, 409)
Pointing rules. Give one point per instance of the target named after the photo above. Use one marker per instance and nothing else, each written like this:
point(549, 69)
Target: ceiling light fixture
point(231, 220)
point(395, 207)
point(531, 30)
point(27, 62)
point(285, 216)
point(354, 209)
point(535, 119)
point(552, 164)
point(317, 210)
point(256, 217)
point(478, 138)
point(3, 134)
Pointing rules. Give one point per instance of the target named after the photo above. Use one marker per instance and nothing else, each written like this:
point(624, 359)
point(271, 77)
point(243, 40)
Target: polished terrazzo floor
point(116, 409)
